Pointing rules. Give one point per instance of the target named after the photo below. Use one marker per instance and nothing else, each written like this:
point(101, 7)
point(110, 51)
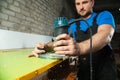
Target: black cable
point(91, 67)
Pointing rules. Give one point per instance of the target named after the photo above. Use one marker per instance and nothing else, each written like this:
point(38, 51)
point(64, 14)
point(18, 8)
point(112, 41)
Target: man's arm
point(99, 40)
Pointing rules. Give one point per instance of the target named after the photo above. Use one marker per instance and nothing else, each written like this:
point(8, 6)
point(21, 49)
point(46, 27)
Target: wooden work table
point(15, 65)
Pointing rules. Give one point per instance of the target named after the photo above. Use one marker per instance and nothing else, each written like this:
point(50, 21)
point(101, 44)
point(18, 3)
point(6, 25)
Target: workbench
point(15, 65)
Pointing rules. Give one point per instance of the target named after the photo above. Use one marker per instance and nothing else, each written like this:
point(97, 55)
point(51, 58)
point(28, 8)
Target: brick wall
point(29, 16)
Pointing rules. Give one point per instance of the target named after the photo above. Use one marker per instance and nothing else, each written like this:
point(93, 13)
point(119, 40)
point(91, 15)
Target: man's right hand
point(39, 48)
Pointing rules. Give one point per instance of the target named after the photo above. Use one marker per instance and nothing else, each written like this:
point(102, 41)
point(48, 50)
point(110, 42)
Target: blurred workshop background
point(23, 23)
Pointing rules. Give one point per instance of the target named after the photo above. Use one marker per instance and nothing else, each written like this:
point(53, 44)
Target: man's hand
point(65, 45)
point(39, 48)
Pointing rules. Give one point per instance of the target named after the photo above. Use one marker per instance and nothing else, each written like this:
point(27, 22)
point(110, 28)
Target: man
point(102, 25)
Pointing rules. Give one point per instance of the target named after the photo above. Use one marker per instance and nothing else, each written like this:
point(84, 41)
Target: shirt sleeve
point(106, 17)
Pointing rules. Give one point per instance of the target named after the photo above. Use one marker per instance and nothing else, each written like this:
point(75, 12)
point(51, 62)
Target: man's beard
point(86, 15)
